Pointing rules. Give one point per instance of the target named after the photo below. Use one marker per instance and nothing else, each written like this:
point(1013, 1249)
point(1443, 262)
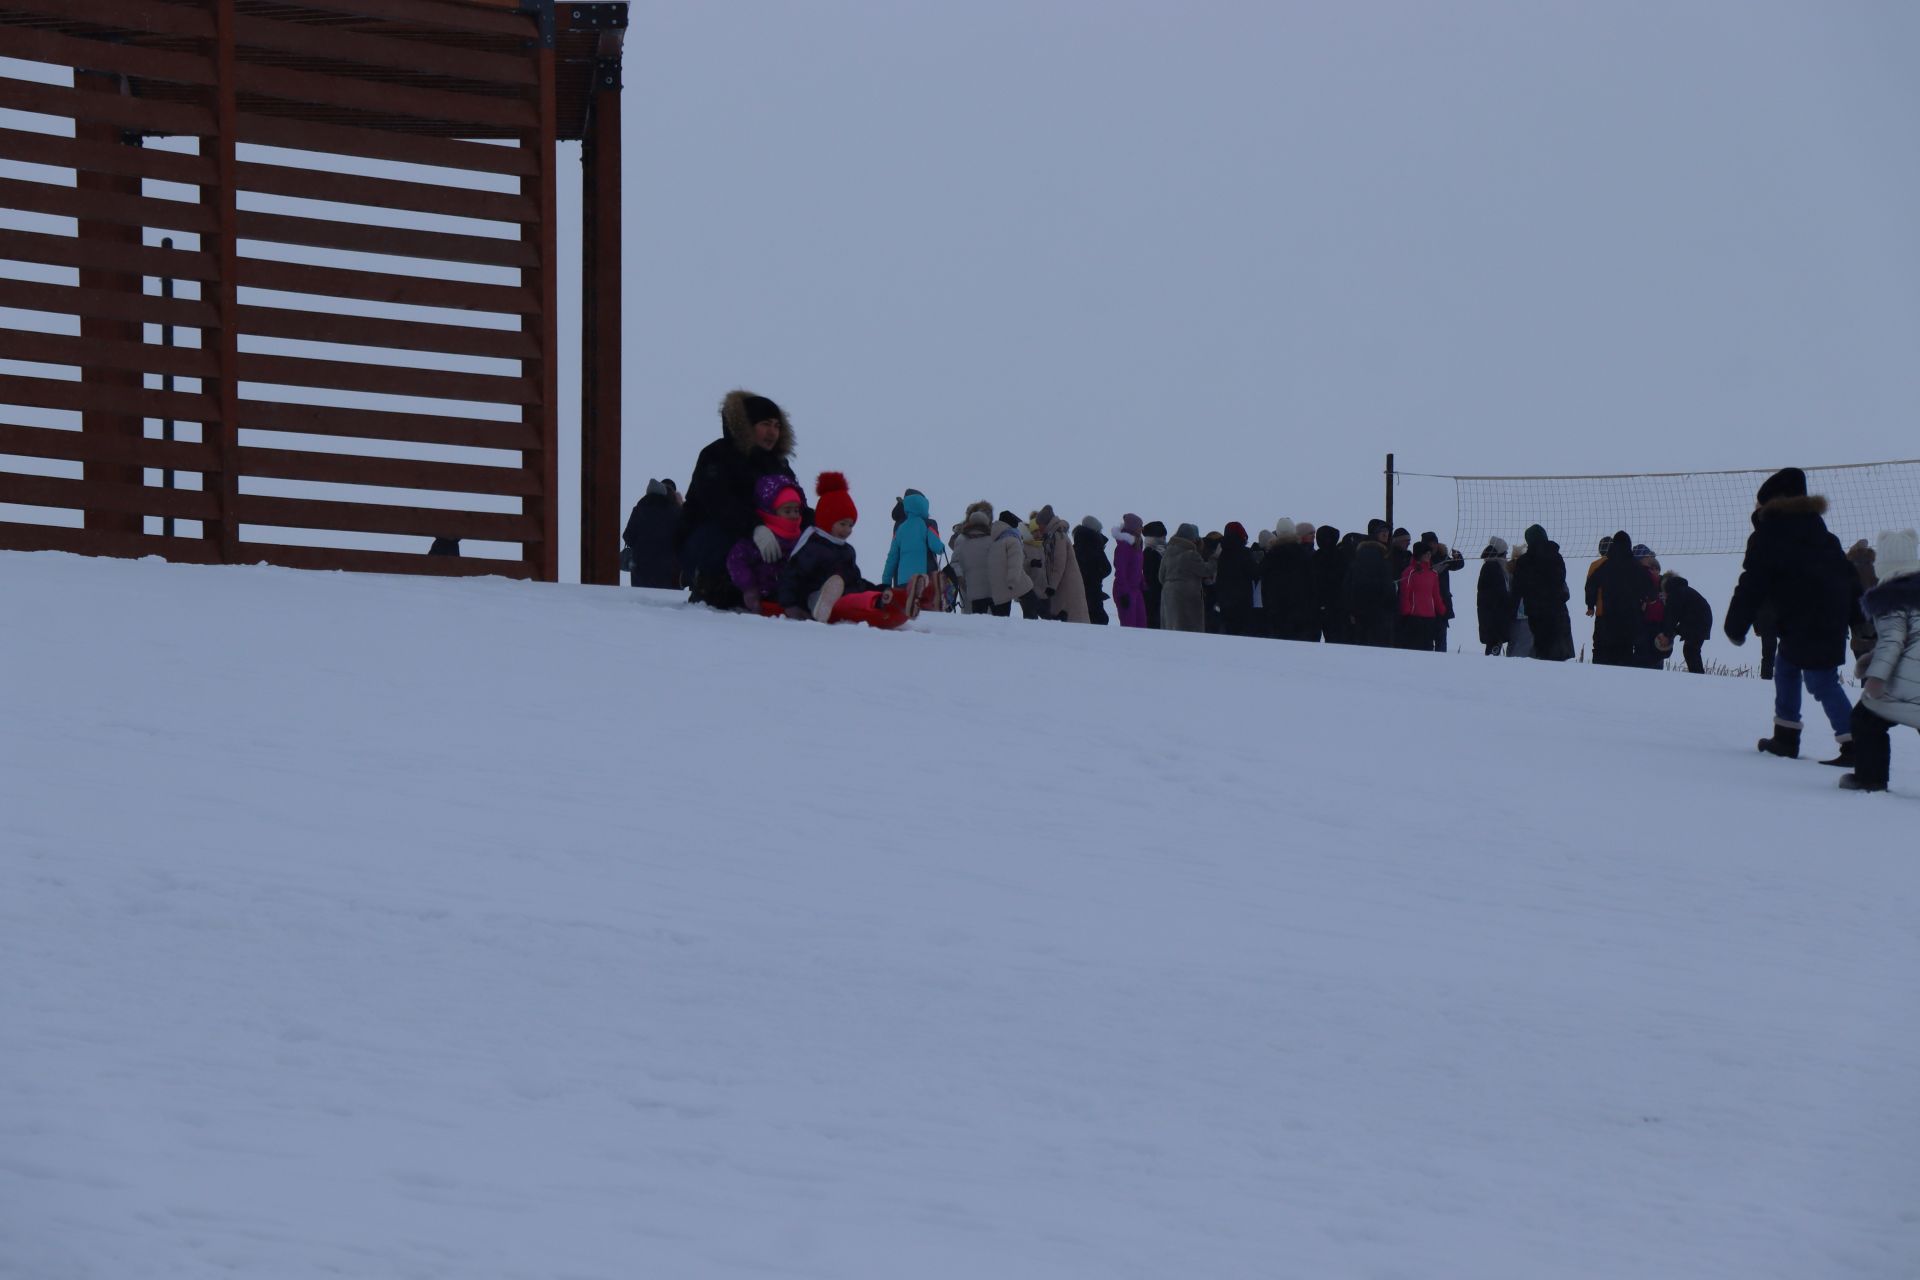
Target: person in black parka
point(1328, 574)
point(1371, 590)
point(1090, 552)
point(1286, 587)
point(755, 440)
point(1155, 537)
point(649, 535)
point(1540, 584)
point(1798, 570)
point(1494, 600)
point(1618, 590)
point(1689, 618)
point(1233, 581)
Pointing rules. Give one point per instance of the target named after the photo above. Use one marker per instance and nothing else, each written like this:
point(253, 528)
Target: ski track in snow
point(376, 927)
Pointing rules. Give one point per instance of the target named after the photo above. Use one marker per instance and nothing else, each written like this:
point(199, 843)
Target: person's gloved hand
point(769, 545)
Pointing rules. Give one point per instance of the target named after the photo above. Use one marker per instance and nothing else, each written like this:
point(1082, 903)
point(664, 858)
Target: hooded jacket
point(1286, 591)
point(1494, 602)
point(720, 496)
point(1689, 616)
point(1894, 609)
point(1420, 591)
point(1796, 569)
point(1129, 579)
point(1370, 585)
point(915, 548)
point(650, 533)
point(1540, 585)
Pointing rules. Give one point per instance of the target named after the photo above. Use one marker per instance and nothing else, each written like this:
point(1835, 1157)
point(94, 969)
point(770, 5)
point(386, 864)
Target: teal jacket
point(914, 546)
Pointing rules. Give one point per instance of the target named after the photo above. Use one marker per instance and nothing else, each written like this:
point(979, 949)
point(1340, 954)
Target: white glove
point(769, 545)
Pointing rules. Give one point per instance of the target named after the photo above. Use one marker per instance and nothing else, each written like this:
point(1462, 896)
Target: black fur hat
point(1788, 482)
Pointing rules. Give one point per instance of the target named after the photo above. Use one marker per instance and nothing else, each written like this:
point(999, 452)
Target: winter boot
point(830, 592)
point(1854, 782)
point(1845, 759)
point(1785, 741)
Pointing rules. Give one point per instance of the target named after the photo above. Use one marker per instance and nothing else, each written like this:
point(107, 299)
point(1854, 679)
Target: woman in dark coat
point(1797, 569)
point(1328, 574)
point(755, 440)
point(1286, 587)
point(649, 536)
point(1540, 584)
point(1494, 600)
point(1090, 550)
point(1233, 581)
point(1618, 592)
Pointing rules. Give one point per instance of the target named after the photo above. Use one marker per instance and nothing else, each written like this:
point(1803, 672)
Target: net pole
point(1389, 497)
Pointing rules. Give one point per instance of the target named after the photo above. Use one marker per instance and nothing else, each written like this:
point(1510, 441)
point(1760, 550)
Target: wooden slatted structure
point(267, 250)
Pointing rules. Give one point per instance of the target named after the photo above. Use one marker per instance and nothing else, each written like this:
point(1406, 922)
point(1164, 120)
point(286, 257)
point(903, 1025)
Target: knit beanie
point(835, 504)
point(655, 489)
point(1130, 523)
point(1088, 522)
point(1326, 537)
point(1283, 530)
point(1898, 553)
point(1788, 482)
point(1237, 531)
point(760, 409)
point(1376, 527)
point(1496, 546)
point(1189, 531)
point(770, 491)
point(1009, 519)
point(1154, 529)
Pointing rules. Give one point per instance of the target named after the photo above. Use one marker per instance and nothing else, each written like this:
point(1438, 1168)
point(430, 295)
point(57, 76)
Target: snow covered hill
point(374, 927)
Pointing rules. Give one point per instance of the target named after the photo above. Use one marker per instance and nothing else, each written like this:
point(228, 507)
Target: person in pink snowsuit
point(1129, 572)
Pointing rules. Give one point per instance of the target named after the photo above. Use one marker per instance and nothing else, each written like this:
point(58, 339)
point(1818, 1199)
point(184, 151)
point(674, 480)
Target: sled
point(864, 606)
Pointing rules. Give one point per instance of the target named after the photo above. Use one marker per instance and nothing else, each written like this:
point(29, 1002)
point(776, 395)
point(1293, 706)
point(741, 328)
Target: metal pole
point(1389, 497)
point(166, 424)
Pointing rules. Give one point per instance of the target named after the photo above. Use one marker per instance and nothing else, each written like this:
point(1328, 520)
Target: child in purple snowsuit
point(754, 571)
point(1129, 572)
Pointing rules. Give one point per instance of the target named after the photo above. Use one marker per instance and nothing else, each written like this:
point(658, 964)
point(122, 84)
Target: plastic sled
point(865, 606)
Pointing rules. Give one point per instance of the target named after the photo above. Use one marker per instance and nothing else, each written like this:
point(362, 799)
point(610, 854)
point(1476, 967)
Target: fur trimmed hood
point(1894, 595)
point(738, 425)
point(1792, 505)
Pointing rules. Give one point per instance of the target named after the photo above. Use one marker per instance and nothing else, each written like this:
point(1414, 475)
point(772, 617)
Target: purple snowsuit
point(1129, 581)
point(744, 563)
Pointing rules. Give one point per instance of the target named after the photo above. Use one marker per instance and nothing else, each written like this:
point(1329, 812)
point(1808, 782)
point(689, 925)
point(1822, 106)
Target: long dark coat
point(1796, 568)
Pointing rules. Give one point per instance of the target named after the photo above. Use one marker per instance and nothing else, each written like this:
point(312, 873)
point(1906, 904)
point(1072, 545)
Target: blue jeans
point(1822, 682)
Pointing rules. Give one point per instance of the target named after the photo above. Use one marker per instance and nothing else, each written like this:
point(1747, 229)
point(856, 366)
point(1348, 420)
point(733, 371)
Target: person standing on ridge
point(1617, 595)
point(1540, 585)
point(1493, 598)
point(1129, 573)
point(1090, 551)
point(1797, 569)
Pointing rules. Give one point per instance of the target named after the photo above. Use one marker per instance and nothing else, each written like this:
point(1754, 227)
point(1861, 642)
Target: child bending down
point(822, 567)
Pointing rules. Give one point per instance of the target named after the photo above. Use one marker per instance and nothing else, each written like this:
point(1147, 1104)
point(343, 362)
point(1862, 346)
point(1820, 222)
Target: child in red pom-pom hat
point(822, 567)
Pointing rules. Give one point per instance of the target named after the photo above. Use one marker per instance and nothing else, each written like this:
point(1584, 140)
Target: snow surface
point(378, 927)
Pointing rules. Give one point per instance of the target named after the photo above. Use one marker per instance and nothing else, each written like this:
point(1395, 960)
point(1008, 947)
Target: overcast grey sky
point(1209, 261)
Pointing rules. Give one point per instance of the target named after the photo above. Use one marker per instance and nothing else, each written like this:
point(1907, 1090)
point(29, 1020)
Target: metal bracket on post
point(599, 15)
point(542, 11)
point(606, 75)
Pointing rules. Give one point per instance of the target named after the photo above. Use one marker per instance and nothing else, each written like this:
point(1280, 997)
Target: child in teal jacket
point(915, 544)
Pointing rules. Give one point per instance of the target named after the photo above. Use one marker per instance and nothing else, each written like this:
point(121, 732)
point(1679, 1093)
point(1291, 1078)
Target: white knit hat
point(1283, 529)
point(1898, 552)
point(1498, 544)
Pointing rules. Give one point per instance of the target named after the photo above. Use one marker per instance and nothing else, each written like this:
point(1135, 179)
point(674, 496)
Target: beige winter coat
point(1063, 575)
point(991, 564)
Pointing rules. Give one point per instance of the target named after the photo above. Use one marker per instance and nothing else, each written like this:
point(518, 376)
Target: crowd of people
point(744, 534)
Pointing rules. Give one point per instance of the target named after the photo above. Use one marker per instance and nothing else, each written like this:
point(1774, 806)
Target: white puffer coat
point(1894, 608)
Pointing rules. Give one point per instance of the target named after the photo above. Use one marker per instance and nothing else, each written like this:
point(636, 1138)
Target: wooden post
point(542, 558)
point(95, 423)
point(1390, 525)
point(600, 332)
point(223, 532)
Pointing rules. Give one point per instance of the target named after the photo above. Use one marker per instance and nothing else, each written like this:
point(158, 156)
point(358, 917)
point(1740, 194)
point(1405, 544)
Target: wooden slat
point(145, 114)
point(382, 98)
point(128, 15)
point(354, 560)
point(375, 517)
point(380, 424)
point(94, 495)
point(397, 473)
point(110, 304)
point(385, 193)
point(89, 397)
point(384, 379)
point(430, 14)
point(375, 144)
point(94, 446)
point(102, 206)
point(318, 41)
point(71, 251)
point(17, 535)
point(99, 55)
point(71, 153)
point(362, 331)
point(325, 233)
point(91, 353)
point(376, 286)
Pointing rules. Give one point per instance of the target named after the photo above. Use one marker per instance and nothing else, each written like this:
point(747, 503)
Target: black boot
point(1845, 759)
point(1854, 782)
point(1784, 743)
